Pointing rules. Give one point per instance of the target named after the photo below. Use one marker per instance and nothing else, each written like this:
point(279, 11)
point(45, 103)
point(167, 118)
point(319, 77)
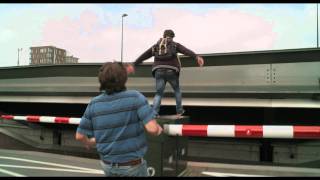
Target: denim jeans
point(162, 77)
point(137, 170)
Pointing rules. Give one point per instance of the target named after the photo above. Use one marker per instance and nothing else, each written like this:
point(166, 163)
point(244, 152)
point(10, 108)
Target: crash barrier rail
point(232, 131)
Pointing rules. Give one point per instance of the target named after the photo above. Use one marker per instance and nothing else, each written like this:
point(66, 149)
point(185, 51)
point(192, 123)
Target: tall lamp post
point(19, 49)
point(123, 15)
point(317, 29)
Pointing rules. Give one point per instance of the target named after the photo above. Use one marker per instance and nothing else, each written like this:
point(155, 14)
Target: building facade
point(71, 59)
point(47, 55)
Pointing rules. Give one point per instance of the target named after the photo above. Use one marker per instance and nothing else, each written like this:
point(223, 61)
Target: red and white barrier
point(233, 131)
point(244, 131)
point(43, 119)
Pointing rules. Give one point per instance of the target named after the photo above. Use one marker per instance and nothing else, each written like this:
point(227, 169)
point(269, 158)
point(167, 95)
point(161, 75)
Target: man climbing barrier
point(166, 68)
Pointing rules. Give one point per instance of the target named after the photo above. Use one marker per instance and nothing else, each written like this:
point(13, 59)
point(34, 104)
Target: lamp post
point(123, 15)
point(19, 49)
point(317, 29)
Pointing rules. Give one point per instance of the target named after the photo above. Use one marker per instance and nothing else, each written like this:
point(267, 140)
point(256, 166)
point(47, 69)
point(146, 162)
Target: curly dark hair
point(168, 33)
point(112, 77)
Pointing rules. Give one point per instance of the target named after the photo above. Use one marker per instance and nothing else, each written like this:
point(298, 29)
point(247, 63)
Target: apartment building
point(47, 55)
point(71, 59)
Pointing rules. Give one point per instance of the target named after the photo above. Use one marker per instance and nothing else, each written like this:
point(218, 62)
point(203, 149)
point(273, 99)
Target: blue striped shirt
point(117, 122)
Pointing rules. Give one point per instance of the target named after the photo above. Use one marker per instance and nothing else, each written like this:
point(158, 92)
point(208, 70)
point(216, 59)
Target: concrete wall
point(230, 150)
point(296, 153)
point(36, 134)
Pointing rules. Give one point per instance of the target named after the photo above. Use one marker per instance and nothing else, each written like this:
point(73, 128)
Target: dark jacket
point(172, 63)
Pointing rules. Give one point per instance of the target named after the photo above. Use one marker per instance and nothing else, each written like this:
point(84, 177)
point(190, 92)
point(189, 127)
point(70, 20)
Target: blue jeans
point(137, 170)
point(162, 77)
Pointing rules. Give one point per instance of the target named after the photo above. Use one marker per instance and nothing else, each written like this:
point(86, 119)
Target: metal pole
point(317, 29)
point(123, 15)
point(19, 49)
point(18, 56)
point(121, 38)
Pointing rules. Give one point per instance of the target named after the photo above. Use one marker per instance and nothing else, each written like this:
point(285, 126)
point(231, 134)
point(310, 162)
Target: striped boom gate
point(232, 131)
point(43, 119)
point(244, 131)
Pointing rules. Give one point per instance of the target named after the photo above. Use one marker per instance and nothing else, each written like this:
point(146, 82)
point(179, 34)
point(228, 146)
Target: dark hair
point(169, 33)
point(112, 77)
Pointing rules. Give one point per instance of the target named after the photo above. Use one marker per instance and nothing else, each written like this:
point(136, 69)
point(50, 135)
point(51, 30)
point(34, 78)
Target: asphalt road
point(239, 170)
point(32, 163)
point(18, 163)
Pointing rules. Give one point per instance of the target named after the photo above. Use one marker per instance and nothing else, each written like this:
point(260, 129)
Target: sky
point(92, 32)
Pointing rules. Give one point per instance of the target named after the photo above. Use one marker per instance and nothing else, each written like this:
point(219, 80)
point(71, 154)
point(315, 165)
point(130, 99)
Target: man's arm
point(85, 129)
point(146, 55)
point(183, 50)
point(85, 140)
point(146, 115)
point(188, 52)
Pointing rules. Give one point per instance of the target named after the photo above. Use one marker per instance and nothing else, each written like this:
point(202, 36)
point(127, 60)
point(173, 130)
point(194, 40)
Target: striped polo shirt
point(117, 122)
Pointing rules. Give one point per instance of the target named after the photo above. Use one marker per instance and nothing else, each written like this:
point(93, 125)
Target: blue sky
point(92, 32)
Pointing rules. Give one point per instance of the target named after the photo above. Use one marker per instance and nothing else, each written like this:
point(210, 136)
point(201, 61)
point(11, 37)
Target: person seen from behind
point(114, 122)
point(166, 68)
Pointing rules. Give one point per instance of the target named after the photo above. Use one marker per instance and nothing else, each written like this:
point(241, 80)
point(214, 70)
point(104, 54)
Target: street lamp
point(19, 49)
point(317, 29)
point(123, 15)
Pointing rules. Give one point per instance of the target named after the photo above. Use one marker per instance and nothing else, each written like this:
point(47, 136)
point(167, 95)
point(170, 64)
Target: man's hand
point(130, 69)
point(90, 143)
point(200, 61)
point(153, 128)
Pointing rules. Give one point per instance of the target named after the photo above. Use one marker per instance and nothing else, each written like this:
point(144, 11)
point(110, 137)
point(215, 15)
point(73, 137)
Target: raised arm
point(146, 55)
point(183, 50)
